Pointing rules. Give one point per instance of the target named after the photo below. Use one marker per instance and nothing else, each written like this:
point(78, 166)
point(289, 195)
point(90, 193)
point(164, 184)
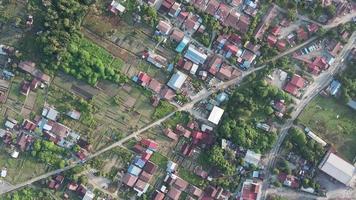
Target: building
point(164, 27)
point(177, 80)
point(216, 115)
point(177, 35)
point(74, 114)
point(50, 113)
point(352, 104)
point(337, 168)
point(252, 157)
point(251, 190)
point(157, 60)
point(334, 87)
point(195, 55)
point(4, 88)
point(116, 7)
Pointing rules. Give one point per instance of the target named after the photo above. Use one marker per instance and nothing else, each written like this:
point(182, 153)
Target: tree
point(331, 10)
point(292, 14)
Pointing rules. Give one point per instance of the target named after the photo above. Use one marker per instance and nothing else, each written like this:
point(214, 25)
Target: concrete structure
point(337, 168)
point(177, 80)
point(216, 115)
point(252, 157)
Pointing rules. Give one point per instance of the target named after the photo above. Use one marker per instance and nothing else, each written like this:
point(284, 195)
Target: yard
point(160, 160)
point(22, 168)
point(334, 123)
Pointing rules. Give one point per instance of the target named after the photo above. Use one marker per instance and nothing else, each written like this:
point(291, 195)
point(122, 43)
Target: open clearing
point(334, 123)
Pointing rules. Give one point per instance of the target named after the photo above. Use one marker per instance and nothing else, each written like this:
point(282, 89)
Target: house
point(181, 46)
point(58, 129)
point(276, 31)
point(139, 162)
point(214, 64)
point(195, 55)
point(225, 72)
point(271, 40)
point(155, 86)
point(291, 89)
point(171, 166)
point(288, 180)
point(146, 177)
point(174, 193)
point(250, 190)
point(89, 195)
point(150, 167)
point(182, 16)
point(252, 47)
point(192, 23)
point(298, 81)
point(335, 48)
point(134, 170)
point(200, 172)
point(312, 28)
point(334, 87)
point(15, 154)
point(222, 12)
point(50, 113)
point(337, 168)
point(25, 88)
point(183, 131)
point(180, 184)
point(265, 22)
point(250, 11)
point(116, 8)
point(215, 115)
point(279, 106)
point(72, 186)
point(157, 60)
point(167, 93)
point(281, 45)
point(24, 141)
point(169, 133)
point(243, 24)
point(302, 34)
point(166, 5)
point(317, 65)
point(163, 27)
point(74, 114)
point(200, 4)
point(28, 125)
point(195, 191)
point(211, 7)
point(3, 173)
point(210, 192)
point(175, 9)
point(141, 187)
point(143, 79)
point(30, 67)
point(157, 195)
point(177, 35)
point(150, 144)
point(233, 19)
point(252, 157)
point(177, 80)
point(187, 149)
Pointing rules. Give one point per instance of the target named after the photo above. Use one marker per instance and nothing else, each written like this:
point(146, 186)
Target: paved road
point(188, 106)
point(313, 90)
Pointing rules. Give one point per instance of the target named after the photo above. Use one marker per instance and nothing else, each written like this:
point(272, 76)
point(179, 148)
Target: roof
point(281, 45)
point(27, 66)
point(302, 34)
point(291, 89)
point(233, 19)
point(164, 27)
point(129, 179)
point(180, 184)
point(216, 115)
point(150, 167)
point(134, 170)
point(243, 24)
point(74, 114)
point(157, 195)
point(155, 85)
point(272, 40)
point(298, 81)
point(251, 190)
point(169, 133)
point(225, 72)
point(276, 30)
point(252, 157)
point(177, 35)
point(89, 195)
point(116, 7)
point(177, 80)
point(214, 64)
point(222, 12)
point(200, 4)
point(167, 93)
point(195, 55)
point(145, 176)
point(141, 186)
point(174, 193)
point(195, 191)
point(338, 168)
point(212, 6)
point(149, 144)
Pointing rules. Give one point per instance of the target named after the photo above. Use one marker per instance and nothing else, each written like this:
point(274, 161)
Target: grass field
point(160, 160)
point(334, 123)
point(191, 177)
point(22, 168)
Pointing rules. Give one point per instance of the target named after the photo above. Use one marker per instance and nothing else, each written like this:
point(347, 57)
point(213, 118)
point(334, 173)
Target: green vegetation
point(178, 118)
point(308, 149)
point(191, 177)
point(159, 160)
point(217, 159)
point(89, 62)
point(163, 109)
point(348, 80)
point(48, 152)
point(333, 122)
point(249, 104)
point(28, 194)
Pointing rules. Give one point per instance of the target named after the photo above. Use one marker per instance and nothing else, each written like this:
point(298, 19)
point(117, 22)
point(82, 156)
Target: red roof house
point(223, 12)
point(298, 81)
point(155, 86)
point(292, 89)
point(143, 78)
point(281, 45)
point(243, 24)
point(272, 40)
point(149, 144)
point(183, 131)
point(302, 34)
point(169, 133)
point(212, 6)
point(276, 31)
point(214, 65)
point(233, 19)
point(167, 93)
